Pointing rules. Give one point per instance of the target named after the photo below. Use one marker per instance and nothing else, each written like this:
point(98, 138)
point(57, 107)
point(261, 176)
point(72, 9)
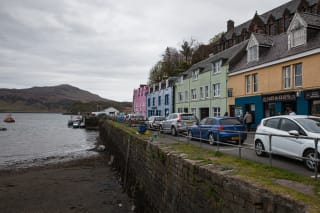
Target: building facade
point(202, 90)
point(139, 100)
point(279, 72)
point(160, 98)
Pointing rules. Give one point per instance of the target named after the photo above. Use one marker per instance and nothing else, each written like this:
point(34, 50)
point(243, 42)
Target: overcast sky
point(106, 47)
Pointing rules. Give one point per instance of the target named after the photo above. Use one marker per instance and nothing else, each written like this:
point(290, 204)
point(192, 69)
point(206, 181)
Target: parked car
point(135, 120)
point(153, 122)
point(292, 147)
point(224, 129)
point(177, 123)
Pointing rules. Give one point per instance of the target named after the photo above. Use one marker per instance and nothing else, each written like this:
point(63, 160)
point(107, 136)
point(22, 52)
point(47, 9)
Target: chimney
point(230, 25)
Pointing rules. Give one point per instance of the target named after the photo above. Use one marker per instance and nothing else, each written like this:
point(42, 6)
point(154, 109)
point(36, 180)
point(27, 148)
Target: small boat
point(9, 119)
point(3, 129)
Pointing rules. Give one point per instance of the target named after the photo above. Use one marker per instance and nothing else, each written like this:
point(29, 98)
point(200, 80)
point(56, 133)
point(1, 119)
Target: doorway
point(204, 112)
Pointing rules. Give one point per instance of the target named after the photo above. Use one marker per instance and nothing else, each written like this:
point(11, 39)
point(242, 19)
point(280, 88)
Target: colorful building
point(139, 100)
point(160, 98)
point(279, 71)
point(202, 89)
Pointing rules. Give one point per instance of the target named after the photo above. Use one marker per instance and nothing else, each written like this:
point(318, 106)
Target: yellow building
point(277, 72)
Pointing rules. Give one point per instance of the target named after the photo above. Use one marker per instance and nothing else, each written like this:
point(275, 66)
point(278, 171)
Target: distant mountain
point(62, 98)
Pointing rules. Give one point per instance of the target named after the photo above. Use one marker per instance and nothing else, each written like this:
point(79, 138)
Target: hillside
point(62, 98)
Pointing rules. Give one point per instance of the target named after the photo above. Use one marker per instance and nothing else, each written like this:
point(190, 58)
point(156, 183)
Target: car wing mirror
point(294, 133)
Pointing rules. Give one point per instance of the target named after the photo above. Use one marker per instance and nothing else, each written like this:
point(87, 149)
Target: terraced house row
point(264, 65)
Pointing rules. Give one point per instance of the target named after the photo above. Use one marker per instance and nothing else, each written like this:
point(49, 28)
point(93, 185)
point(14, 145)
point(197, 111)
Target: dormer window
point(195, 75)
point(297, 32)
point(180, 80)
point(252, 49)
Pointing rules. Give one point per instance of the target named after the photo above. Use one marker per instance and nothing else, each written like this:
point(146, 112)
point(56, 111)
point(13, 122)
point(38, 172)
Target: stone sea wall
point(164, 181)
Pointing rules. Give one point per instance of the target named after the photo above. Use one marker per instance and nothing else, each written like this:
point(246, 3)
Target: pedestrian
point(225, 114)
point(290, 111)
point(248, 120)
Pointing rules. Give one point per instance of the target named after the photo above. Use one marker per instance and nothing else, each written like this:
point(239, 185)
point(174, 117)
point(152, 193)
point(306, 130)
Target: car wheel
point(161, 129)
point(310, 162)
point(259, 148)
point(211, 139)
point(190, 135)
point(173, 131)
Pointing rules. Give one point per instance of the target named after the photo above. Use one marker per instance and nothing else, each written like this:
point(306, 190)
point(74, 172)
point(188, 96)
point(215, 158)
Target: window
point(186, 95)
point(166, 99)
point(255, 82)
point(153, 101)
point(298, 37)
point(253, 53)
point(166, 112)
point(206, 91)
point(272, 123)
point(286, 77)
point(193, 94)
point(195, 74)
point(180, 80)
point(201, 93)
point(216, 111)
point(297, 75)
point(287, 125)
point(159, 100)
point(248, 84)
point(180, 110)
point(180, 98)
point(216, 90)
point(149, 102)
point(216, 67)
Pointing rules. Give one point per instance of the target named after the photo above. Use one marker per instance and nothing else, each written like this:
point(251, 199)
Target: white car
point(295, 127)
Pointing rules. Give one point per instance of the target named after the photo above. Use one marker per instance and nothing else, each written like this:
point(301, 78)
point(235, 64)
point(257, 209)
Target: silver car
point(153, 122)
point(177, 122)
point(292, 136)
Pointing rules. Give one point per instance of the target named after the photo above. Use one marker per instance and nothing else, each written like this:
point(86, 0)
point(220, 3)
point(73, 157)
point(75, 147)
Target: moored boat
point(9, 119)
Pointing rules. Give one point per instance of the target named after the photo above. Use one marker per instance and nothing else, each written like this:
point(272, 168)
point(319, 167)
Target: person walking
point(248, 120)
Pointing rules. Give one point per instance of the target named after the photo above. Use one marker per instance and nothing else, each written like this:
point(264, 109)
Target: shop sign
point(312, 94)
point(279, 97)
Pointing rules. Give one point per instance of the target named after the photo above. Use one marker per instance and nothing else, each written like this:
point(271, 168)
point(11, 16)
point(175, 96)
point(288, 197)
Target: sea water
point(42, 138)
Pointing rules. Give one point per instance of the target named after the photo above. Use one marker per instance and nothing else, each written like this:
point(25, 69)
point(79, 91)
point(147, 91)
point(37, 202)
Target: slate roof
point(313, 20)
point(277, 13)
point(279, 48)
point(226, 56)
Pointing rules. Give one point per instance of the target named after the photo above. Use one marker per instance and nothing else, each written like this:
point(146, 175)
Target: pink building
point(140, 100)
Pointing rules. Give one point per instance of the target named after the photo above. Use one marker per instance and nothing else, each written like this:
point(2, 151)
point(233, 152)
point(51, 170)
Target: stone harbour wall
point(163, 181)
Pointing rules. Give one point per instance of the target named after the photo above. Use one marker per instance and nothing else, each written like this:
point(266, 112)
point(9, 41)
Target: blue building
point(160, 98)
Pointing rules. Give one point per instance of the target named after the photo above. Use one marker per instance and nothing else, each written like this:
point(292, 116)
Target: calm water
point(41, 138)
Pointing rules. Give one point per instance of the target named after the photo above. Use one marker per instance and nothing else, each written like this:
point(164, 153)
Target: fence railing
point(184, 137)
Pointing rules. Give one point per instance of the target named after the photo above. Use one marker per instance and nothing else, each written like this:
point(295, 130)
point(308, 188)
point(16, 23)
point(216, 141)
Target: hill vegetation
point(62, 99)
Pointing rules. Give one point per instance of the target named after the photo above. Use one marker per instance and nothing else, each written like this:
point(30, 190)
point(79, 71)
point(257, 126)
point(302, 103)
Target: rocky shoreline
point(82, 185)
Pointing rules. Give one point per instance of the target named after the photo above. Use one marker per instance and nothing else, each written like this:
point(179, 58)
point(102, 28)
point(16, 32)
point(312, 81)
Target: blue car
point(224, 129)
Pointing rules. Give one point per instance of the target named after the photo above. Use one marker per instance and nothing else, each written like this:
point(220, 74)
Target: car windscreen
point(188, 117)
point(310, 124)
point(230, 121)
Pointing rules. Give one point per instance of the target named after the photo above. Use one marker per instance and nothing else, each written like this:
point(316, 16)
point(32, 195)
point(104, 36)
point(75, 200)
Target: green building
point(202, 89)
